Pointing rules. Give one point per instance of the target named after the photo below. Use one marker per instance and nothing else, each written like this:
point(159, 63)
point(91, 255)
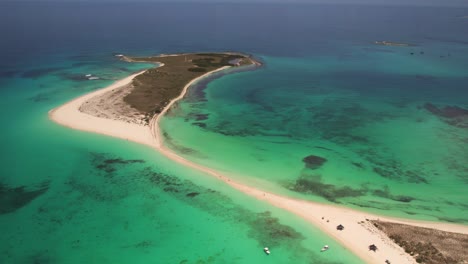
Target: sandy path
point(358, 233)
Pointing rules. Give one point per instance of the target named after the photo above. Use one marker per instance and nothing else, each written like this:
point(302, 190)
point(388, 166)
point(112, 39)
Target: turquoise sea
point(370, 119)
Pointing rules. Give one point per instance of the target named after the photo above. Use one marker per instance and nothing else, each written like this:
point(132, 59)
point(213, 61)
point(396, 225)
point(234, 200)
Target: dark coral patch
point(413, 177)
point(171, 189)
point(122, 161)
point(199, 124)
point(162, 180)
point(12, 199)
point(385, 173)
point(263, 227)
point(447, 111)
point(109, 165)
point(314, 162)
point(452, 115)
point(105, 171)
point(327, 191)
point(385, 193)
point(324, 148)
point(201, 117)
point(192, 194)
point(41, 257)
point(358, 164)
point(142, 244)
point(395, 173)
point(272, 233)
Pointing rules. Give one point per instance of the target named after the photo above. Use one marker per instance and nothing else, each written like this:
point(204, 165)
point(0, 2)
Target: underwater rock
point(109, 164)
point(452, 115)
point(192, 194)
point(447, 111)
point(324, 148)
point(386, 173)
point(327, 191)
point(314, 162)
point(123, 161)
point(358, 164)
point(201, 117)
point(413, 177)
point(385, 193)
point(394, 172)
point(12, 199)
point(268, 229)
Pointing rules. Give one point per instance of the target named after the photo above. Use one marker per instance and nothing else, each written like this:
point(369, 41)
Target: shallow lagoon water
point(384, 151)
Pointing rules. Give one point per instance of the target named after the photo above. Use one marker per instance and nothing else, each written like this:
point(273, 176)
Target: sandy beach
point(358, 234)
point(69, 115)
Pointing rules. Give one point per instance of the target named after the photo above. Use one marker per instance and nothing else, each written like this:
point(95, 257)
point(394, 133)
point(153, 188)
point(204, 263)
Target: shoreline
point(69, 115)
point(359, 233)
point(154, 123)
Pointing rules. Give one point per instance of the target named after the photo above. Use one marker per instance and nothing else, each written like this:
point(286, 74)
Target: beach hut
point(340, 227)
point(373, 247)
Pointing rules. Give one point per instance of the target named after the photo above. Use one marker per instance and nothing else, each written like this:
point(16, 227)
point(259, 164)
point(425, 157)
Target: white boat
point(325, 248)
point(88, 75)
point(93, 78)
point(267, 251)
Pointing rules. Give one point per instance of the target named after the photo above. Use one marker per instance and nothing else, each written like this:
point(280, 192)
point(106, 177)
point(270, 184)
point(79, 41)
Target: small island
point(393, 44)
point(148, 93)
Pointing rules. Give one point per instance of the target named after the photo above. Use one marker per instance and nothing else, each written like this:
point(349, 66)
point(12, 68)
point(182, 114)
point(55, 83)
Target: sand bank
point(358, 234)
point(70, 115)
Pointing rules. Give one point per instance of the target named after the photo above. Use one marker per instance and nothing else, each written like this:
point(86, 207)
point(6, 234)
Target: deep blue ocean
point(325, 89)
point(34, 30)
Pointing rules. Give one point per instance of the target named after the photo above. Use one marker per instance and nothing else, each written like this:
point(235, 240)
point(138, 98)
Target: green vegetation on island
point(155, 88)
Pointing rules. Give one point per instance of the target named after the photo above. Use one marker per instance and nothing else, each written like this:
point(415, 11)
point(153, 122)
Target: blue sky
point(379, 2)
point(375, 2)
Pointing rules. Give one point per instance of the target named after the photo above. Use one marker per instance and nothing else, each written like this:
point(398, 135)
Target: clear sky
point(379, 2)
point(376, 2)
